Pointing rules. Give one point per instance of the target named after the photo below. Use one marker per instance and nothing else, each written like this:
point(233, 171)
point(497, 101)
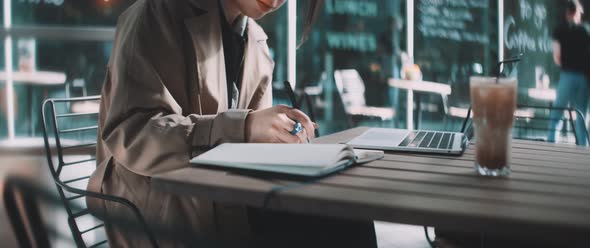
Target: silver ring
point(297, 128)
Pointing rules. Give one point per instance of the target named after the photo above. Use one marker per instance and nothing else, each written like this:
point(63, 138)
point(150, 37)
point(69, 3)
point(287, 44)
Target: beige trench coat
point(164, 100)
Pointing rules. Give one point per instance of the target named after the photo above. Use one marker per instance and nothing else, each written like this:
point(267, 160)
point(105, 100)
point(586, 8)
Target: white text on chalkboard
point(52, 2)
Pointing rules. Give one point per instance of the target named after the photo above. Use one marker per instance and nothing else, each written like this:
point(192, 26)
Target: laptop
point(419, 141)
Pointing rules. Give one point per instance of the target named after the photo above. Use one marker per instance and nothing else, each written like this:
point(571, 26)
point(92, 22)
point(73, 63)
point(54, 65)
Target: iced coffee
point(493, 104)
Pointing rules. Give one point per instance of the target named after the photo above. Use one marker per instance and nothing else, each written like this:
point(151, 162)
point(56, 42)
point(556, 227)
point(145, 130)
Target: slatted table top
point(547, 193)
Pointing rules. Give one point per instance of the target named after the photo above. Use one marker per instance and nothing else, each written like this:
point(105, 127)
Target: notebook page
point(302, 155)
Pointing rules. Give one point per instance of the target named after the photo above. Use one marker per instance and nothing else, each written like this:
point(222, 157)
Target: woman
point(184, 76)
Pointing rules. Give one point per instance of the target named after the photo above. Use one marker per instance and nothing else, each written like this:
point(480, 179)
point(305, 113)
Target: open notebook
point(294, 159)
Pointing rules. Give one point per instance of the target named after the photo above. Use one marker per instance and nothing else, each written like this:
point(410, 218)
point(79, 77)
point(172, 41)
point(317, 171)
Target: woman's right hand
point(274, 125)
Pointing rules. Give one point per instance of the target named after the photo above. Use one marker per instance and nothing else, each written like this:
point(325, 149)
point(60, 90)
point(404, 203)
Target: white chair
point(351, 88)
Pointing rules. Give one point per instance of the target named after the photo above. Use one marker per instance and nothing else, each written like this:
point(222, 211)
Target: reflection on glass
point(58, 69)
point(3, 103)
point(275, 26)
point(365, 36)
point(454, 40)
point(3, 112)
point(528, 27)
point(68, 12)
point(2, 14)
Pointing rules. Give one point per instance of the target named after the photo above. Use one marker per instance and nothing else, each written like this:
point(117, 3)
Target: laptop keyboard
point(429, 139)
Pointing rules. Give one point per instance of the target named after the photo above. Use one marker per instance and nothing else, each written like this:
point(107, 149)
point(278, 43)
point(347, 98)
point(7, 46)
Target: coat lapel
point(258, 66)
point(205, 31)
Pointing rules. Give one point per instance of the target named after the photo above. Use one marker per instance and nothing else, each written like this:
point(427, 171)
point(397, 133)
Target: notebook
point(293, 159)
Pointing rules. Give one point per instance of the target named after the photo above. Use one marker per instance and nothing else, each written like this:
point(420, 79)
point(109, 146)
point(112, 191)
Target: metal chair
point(525, 123)
point(70, 128)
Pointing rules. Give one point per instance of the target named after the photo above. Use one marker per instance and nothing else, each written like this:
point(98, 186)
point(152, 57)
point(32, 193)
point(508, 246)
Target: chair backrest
point(537, 125)
point(74, 122)
point(351, 87)
point(532, 123)
point(71, 125)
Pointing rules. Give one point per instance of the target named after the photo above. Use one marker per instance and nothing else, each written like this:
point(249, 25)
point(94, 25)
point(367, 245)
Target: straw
point(514, 59)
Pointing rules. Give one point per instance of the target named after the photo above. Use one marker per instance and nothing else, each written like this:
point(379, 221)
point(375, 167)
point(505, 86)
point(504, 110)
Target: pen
point(293, 100)
point(291, 95)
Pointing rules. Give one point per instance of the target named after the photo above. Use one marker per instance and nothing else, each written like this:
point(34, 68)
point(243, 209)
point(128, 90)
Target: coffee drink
point(493, 104)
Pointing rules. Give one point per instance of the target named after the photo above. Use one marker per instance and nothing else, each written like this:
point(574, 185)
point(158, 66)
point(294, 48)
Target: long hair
point(313, 10)
point(574, 5)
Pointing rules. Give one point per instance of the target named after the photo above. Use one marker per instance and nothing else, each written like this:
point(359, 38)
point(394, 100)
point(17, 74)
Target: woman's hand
point(274, 125)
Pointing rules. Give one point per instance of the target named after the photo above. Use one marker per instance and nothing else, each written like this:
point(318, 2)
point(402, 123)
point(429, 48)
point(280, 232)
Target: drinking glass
point(493, 104)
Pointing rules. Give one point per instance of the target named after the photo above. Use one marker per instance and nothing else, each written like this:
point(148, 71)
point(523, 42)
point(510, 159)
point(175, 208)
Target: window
point(275, 26)
point(453, 41)
point(67, 12)
point(367, 36)
point(528, 28)
point(449, 40)
point(62, 47)
point(77, 66)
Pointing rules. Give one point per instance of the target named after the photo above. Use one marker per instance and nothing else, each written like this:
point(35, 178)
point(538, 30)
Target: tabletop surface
point(548, 191)
point(36, 78)
point(423, 86)
point(542, 94)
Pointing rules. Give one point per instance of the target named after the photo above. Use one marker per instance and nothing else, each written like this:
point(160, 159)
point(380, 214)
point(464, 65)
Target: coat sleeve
point(266, 100)
point(144, 128)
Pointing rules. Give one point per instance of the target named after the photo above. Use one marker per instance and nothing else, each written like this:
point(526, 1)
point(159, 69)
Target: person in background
point(571, 41)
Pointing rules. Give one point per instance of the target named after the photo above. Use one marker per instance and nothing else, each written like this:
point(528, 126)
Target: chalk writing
point(352, 7)
point(536, 39)
point(362, 42)
point(53, 2)
point(451, 19)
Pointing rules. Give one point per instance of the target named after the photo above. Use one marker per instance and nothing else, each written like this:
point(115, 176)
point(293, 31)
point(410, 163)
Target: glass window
point(3, 112)
point(275, 26)
point(367, 36)
point(2, 14)
point(3, 102)
point(68, 12)
point(453, 41)
point(78, 67)
point(59, 68)
point(528, 28)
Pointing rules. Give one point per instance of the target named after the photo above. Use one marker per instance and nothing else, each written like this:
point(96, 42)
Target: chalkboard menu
point(455, 39)
point(528, 28)
point(454, 20)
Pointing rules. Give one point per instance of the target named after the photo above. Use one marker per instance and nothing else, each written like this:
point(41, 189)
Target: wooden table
point(548, 95)
point(30, 79)
point(546, 196)
point(36, 77)
point(419, 86)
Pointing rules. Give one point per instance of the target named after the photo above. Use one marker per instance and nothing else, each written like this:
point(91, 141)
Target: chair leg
point(33, 226)
point(572, 122)
point(14, 216)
